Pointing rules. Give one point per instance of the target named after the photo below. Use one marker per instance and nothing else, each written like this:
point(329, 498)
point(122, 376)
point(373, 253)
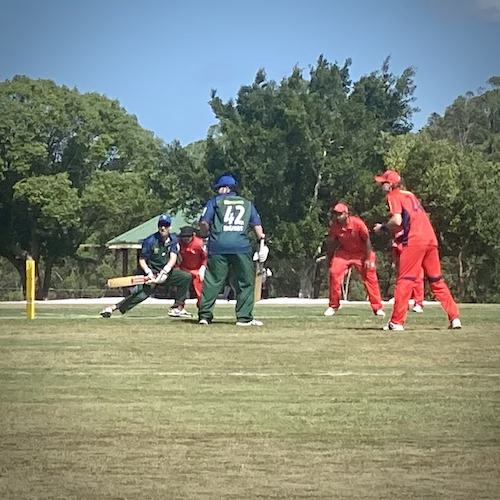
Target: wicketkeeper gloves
point(201, 272)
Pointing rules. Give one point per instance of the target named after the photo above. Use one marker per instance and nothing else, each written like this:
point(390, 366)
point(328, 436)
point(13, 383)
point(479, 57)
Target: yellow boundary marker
point(30, 288)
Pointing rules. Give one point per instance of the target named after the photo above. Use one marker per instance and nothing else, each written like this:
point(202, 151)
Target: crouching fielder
point(193, 258)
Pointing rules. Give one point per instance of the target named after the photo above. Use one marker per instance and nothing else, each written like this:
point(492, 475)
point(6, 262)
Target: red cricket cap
point(340, 208)
point(388, 176)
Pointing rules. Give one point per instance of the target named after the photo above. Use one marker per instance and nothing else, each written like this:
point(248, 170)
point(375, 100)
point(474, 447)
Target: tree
point(472, 120)
point(297, 146)
point(71, 165)
point(460, 189)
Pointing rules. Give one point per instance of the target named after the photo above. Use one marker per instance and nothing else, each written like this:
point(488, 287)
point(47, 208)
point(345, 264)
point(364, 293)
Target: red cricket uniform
point(193, 256)
point(352, 252)
point(419, 250)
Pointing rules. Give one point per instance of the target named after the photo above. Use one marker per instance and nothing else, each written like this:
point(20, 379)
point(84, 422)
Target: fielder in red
point(193, 257)
point(348, 245)
point(412, 228)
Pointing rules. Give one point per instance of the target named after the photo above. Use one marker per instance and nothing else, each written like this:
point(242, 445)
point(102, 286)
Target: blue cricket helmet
point(164, 219)
point(225, 180)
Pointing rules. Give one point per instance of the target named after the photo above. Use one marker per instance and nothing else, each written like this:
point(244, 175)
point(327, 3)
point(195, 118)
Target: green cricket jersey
point(157, 252)
point(229, 217)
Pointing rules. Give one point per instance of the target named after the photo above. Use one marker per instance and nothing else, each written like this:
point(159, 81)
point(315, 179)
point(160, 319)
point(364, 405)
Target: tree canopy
point(77, 168)
point(73, 167)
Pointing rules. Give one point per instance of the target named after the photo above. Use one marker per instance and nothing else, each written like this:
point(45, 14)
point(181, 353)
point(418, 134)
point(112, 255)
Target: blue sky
point(161, 58)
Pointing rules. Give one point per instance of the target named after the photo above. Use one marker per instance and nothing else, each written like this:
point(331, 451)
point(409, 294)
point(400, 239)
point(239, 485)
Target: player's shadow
point(368, 328)
point(194, 321)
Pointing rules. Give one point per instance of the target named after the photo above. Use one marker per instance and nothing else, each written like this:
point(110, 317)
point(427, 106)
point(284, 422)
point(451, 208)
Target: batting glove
point(201, 272)
point(150, 275)
point(162, 277)
point(263, 253)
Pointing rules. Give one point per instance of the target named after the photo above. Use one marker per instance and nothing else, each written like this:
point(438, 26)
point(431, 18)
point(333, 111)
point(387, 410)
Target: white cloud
point(490, 7)
point(486, 10)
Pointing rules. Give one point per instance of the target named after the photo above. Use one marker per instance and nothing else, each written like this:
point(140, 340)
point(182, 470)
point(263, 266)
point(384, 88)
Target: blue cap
point(164, 219)
point(225, 180)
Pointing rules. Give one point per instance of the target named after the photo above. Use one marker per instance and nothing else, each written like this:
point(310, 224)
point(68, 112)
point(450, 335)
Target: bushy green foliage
point(77, 169)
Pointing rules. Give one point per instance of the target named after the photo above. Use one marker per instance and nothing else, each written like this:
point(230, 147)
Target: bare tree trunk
point(461, 284)
point(317, 279)
point(19, 262)
point(306, 279)
point(43, 290)
point(317, 185)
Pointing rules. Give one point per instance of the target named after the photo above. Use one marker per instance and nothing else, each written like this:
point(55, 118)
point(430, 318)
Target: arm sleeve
point(208, 211)
point(363, 230)
point(331, 233)
point(254, 217)
point(146, 248)
point(394, 204)
point(174, 244)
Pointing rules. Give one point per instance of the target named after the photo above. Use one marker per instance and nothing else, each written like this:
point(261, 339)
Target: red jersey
point(351, 237)
point(416, 228)
point(193, 255)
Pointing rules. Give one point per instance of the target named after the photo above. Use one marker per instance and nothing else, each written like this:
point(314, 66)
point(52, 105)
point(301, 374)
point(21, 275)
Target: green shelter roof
point(133, 237)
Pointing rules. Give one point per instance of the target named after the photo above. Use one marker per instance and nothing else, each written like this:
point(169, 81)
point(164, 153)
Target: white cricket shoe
point(393, 326)
point(379, 312)
point(107, 312)
point(417, 308)
point(254, 322)
point(203, 322)
point(330, 311)
point(455, 324)
point(178, 312)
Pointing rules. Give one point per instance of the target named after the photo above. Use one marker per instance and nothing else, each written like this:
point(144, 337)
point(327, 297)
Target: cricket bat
point(124, 281)
point(257, 286)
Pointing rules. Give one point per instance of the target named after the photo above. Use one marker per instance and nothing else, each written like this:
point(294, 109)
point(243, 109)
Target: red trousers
point(196, 281)
point(338, 267)
point(417, 292)
point(411, 262)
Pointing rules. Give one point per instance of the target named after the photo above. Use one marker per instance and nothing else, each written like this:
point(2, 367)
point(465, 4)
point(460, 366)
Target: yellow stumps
point(30, 288)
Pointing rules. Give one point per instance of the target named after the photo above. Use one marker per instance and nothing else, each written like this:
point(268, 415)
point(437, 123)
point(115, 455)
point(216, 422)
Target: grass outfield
point(147, 407)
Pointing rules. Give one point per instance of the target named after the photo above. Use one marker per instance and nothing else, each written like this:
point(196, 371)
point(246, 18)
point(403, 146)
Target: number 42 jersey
point(229, 217)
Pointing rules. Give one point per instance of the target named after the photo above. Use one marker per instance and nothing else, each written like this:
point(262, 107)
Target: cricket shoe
point(178, 312)
point(107, 312)
point(393, 326)
point(380, 313)
point(254, 322)
point(203, 322)
point(455, 324)
point(417, 308)
point(331, 311)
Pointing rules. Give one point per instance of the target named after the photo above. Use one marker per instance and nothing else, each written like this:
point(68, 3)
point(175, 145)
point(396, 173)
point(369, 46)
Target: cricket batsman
point(225, 220)
point(157, 260)
point(413, 229)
